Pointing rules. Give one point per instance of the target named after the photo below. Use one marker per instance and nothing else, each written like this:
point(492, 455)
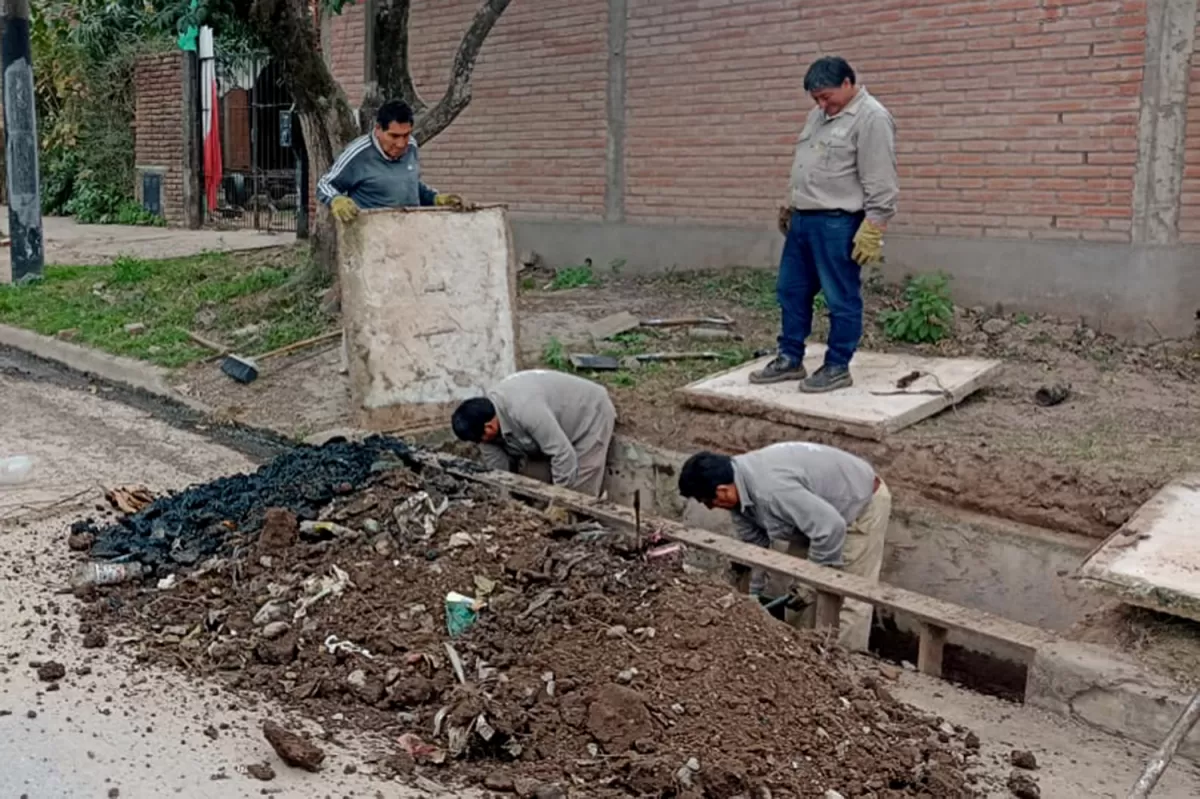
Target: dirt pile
point(578, 665)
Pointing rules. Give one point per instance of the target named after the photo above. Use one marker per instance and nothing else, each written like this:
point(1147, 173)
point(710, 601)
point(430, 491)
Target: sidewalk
point(72, 244)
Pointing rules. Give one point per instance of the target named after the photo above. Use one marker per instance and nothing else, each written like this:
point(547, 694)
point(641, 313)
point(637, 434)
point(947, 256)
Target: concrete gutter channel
point(1010, 570)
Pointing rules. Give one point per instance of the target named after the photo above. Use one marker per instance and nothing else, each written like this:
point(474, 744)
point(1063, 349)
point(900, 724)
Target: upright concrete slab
point(1154, 559)
point(872, 408)
point(428, 299)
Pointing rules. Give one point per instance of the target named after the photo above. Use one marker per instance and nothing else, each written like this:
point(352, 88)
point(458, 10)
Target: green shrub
point(928, 314)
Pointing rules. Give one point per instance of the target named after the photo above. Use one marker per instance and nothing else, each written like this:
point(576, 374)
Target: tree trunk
point(392, 76)
point(326, 118)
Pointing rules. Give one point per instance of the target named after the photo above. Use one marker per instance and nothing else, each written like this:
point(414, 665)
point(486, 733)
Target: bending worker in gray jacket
point(381, 169)
point(826, 504)
point(536, 416)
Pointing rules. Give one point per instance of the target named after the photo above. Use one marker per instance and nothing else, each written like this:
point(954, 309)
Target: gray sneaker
point(827, 378)
point(778, 370)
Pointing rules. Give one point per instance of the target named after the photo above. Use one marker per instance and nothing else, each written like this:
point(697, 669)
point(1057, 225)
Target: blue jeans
point(816, 257)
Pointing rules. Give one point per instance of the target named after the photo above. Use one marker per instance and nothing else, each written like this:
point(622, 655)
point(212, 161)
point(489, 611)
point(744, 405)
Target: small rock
point(498, 781)
point(550, 790)
point(972, 741)
point(994, 327)
point(275, 629)
point(113, 793)
point(211, 732)
point(626, 676)
point(946, 728)
point(96, 639)
point(292, 749)
point(350, 769)
point(1023, 786)
point(616, 631)
point(261, 771)
point(693, 764)
point(832, 794)
point(80, 542)
point(273, 610)
point(51, 671)
point(525, 787)
point(68, 334)
point(678, 709)
point(371, 526)
point(1023, 758)
point(356, 678)
point(280, 531)
point(135, 328)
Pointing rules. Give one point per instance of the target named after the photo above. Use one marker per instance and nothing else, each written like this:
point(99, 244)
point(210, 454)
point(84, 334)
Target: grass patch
point(573, 277)
point(266, 295)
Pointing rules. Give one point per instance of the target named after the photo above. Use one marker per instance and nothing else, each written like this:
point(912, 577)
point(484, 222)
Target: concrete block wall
point(159, 128)
point(1045, 153)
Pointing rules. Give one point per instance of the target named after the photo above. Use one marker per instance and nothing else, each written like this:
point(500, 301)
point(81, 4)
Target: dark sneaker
point(778, 370)
point(827, 378)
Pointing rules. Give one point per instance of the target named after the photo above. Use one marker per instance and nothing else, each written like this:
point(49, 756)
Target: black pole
point(21, 145)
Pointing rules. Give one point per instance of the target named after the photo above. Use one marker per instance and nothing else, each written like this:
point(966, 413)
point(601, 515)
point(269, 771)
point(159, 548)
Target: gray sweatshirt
point(372, 180)
point(799, 491)
point(551, 415)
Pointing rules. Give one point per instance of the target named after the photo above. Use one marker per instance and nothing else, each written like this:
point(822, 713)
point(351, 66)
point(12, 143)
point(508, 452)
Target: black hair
point(470, 417)
point(828, 72)
point(393, 111)
point(703, 473)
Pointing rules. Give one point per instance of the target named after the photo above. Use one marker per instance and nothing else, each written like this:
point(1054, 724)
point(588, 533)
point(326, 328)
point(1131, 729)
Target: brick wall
point(158, 127)
point(1189, 212)
point(344, 50)
point(1016, 118)
point(534, 135)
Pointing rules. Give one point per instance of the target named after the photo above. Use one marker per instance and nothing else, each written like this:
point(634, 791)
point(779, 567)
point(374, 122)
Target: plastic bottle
point(106, 573)
point(15, 469)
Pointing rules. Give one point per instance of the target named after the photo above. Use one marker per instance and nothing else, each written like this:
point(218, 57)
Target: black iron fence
point(259, 177)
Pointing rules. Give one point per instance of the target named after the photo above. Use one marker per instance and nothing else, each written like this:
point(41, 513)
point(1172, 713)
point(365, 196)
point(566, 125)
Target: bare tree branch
point(458, 93)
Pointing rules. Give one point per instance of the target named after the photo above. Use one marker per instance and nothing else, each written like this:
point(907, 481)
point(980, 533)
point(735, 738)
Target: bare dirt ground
point(1132, 420)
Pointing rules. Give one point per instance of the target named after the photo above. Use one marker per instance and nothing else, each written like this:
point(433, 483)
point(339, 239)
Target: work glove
point(868, 244)
point(454, 201)
point(344, 209)
point(785, 219)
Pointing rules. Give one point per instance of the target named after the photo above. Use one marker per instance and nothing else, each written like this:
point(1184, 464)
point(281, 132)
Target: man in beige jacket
point(821, 503)
point(539, 416)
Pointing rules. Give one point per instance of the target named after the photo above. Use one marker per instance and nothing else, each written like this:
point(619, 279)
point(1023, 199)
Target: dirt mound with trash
point(494, 644)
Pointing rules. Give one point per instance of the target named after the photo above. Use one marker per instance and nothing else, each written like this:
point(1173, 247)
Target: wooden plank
point(924, 608)
point(932, 644)
point(829, 610)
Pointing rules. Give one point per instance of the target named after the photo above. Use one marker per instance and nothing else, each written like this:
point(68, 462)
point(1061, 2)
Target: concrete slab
point(428, 300)
point(872, 408)
point(1154, 559)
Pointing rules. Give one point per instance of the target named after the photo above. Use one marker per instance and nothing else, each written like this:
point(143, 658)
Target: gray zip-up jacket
point(372, 180)
point(800, 492)
point(547, 414)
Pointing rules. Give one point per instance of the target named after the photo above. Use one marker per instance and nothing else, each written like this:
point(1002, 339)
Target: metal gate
point(261, 181)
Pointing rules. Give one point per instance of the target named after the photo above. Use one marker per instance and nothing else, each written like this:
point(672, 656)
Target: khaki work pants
point(863, 556)
point(593, 464)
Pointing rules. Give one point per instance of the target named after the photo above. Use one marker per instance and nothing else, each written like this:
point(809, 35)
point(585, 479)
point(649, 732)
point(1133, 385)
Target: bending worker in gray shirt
point(539, 416)
point(381, 169)
point(826, 504)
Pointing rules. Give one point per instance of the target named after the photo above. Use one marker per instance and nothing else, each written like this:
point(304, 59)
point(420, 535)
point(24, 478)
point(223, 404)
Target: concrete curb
point(109, 368)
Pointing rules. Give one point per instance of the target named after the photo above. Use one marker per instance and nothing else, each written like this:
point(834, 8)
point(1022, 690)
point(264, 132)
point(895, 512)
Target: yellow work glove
point(868, 244)
point(785, 219)
point(449, 201)
point(344, 208)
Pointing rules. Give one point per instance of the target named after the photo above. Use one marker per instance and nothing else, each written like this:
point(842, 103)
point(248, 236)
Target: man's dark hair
point(470, 417)
point(703, 473)
point(393, 111)
point(828, 72)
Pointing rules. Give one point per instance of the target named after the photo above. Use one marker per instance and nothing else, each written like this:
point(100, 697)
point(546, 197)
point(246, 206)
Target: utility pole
point(21, 145)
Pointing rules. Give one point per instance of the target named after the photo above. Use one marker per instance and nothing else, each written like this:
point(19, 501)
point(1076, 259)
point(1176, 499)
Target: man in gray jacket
point(823, 503)
point(538, 416)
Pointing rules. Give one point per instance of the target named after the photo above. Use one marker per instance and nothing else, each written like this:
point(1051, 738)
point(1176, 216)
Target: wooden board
point(1153, 561)
point(924, 608)
point(871, 408)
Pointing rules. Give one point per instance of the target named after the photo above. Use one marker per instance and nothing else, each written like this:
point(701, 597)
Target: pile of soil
point(592, 670)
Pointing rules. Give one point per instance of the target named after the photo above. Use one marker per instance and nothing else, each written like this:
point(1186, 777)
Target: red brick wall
point(158, 126)
point(534, 135)
point(1189, 212)
point(1016, 118)
point(344, 50)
